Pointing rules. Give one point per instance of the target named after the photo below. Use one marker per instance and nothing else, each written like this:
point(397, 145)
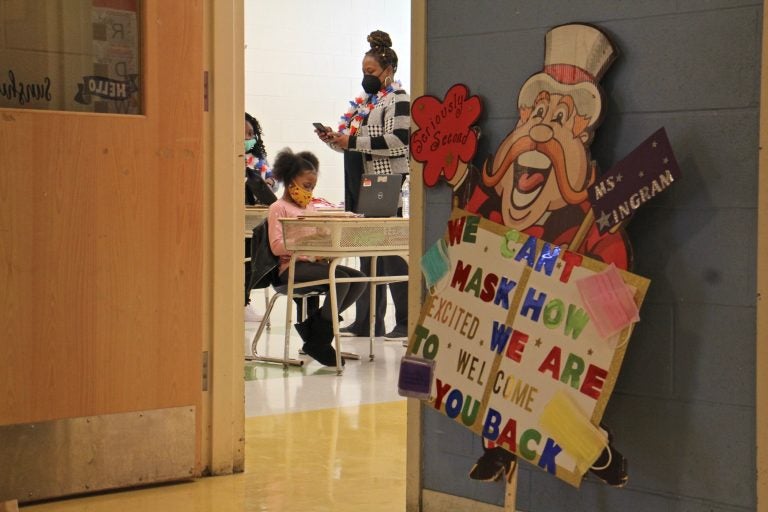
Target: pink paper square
point(609, 301)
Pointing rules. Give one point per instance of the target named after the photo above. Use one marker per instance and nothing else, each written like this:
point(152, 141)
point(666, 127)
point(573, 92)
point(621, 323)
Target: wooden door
point(101, 275)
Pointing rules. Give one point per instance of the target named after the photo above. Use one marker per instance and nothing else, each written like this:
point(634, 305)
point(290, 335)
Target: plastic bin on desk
point(345, 234)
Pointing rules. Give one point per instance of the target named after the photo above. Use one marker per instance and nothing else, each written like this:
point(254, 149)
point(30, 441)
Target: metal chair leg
point(266, 305)
point(264, 323)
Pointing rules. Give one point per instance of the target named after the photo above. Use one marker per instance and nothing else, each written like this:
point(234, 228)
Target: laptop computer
point(379, 195)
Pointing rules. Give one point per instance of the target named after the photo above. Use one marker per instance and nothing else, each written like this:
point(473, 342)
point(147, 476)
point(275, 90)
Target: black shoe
point(399, 333)
point(315, 329)
point(324, 354)
point(360, 332)
point(610, 466)
point(322, 330)
point(492, 465)
point(305, 330)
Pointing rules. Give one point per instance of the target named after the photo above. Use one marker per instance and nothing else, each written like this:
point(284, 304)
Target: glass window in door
point(75, 55)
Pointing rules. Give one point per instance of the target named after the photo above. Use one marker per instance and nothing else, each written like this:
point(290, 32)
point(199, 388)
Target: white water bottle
point(406, 195)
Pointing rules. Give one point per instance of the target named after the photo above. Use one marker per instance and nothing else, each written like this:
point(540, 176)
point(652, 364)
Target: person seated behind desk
point(259, 189)
point(260, 186)
point(298, 173)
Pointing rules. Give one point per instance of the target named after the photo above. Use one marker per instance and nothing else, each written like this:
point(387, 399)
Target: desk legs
point(335, 312)
point(289, 309)
point(372, 306)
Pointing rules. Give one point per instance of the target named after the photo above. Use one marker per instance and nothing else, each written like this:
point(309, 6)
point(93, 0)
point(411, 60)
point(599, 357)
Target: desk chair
point(282, 291)
point(247, 262)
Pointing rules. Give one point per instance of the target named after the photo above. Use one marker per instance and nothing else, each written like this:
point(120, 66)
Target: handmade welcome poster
point(512, 327)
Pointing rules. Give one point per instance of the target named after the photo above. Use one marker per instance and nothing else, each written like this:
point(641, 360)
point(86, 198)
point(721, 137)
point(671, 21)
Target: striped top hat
point(575, 58)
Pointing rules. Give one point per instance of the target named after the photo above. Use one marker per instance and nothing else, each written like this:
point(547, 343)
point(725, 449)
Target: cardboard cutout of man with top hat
point(538, 178)
point(540, 175)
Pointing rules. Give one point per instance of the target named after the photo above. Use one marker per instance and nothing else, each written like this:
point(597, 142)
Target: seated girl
point(298, 173)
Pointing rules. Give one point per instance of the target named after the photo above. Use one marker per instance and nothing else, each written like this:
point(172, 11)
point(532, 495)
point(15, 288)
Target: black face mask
point(371, 84)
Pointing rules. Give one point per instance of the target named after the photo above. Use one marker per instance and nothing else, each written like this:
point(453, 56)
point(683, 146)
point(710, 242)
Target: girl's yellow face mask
point(300, 195)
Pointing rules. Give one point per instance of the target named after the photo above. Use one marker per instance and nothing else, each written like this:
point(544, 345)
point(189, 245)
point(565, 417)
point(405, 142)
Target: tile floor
point(271, 390)
point(314, 441)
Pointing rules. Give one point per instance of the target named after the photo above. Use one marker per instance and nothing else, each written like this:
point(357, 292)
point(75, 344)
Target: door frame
point(223, 446)
point(413, 472)
point(761, 338)
point(224, 225)
point(223, 404)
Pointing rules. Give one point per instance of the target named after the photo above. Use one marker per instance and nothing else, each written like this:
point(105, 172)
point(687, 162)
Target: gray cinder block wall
point(683, 411)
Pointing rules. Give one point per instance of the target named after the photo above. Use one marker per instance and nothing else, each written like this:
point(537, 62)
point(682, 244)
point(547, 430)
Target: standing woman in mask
point(374, 135)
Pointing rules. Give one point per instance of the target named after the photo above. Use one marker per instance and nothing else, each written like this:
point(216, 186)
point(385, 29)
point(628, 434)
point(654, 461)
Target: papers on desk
point(329, 213)
point(319, 202)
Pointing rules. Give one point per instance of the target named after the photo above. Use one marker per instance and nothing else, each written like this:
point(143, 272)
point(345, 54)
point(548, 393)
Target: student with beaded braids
point(259, 184)
point(259, 189)
point(298, 173)
point(374, 135)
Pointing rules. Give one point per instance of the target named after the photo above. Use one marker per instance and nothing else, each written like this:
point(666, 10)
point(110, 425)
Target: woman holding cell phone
point(373, 135)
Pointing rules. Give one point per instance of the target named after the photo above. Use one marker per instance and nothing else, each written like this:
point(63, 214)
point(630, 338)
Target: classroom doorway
point(300, 68)
point(302, 64)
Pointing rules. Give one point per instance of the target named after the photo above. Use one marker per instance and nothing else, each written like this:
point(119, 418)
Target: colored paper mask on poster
point(435, 263)
point(609, 301)
point(572, 430)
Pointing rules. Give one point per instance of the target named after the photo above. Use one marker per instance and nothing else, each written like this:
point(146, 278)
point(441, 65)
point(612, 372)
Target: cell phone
point(321, 127)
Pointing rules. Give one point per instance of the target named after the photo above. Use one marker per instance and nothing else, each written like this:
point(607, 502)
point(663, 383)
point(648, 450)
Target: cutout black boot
point(610, 466)
point(492, 465)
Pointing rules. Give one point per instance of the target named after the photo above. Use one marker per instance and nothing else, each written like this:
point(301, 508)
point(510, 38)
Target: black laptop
point(379, 195)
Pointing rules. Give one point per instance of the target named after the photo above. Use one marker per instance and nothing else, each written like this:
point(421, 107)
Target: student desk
point(254, 215)
point(336, 238)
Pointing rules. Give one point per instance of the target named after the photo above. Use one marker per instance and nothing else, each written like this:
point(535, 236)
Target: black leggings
point(346, 293)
